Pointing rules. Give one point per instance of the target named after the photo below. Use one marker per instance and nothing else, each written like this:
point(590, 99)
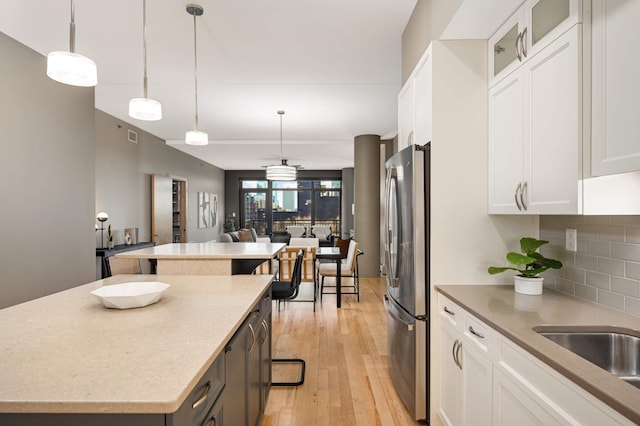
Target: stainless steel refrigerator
point(407, 272)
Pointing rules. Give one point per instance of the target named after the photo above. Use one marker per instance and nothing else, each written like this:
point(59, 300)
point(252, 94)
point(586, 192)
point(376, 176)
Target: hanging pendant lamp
point(195, 136)
point(145, 108)
point(69, 67)
point(283, 171)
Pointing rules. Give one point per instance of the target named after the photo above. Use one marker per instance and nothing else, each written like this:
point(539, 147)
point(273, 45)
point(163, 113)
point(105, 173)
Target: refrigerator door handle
point(391, 273)
point(390, 310)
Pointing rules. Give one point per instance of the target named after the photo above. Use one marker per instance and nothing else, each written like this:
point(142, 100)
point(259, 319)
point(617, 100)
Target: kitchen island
point(207, 258)
point(508, 323)
point(66, 356)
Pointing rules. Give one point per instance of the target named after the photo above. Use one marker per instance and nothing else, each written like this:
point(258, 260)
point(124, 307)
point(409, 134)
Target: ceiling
point(333, 66)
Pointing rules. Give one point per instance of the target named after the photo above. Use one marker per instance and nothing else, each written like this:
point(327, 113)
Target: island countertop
point(206, 251)
point(66, 353)
point(514, 316)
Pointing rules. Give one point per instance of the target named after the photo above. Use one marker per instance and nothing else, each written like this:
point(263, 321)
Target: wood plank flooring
point(347, 381)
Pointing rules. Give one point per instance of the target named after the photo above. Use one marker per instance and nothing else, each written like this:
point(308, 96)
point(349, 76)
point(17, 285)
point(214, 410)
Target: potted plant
point(229, 224)
point(109, 238)
point(529, 263)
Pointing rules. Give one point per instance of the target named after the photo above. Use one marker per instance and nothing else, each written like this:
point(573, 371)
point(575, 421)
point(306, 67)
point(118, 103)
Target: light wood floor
point(347, 381)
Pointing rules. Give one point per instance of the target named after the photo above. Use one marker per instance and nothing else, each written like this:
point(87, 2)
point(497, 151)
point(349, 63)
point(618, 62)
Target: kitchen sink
point(615, 350)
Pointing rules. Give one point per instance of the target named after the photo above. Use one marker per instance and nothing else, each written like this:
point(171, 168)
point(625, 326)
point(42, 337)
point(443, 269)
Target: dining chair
point(287, 259)
point(348, 268)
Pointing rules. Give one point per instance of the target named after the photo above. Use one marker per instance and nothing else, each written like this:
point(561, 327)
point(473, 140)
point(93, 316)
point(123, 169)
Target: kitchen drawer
point(201, 398)
point(480, 336)
point(558, 396)
point(450, 313)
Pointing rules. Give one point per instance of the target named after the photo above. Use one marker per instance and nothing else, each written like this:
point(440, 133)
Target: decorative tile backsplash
point(606, 267)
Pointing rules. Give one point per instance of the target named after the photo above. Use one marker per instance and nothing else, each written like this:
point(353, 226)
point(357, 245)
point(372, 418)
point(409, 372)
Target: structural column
point(346, 212)
point(367, 202)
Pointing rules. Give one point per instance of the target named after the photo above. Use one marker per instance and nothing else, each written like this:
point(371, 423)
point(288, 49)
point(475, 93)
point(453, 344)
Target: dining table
point(333, 253)
point(210, 258)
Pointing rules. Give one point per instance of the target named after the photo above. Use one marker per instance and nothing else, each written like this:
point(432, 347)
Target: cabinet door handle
point(523, 42)
point(517, 46)
point(266, 331)
point(449, 312)
point(203, 397)
point(212, 421)
point(518, 188)
point(458, 355)
point(475, 333)
point(253, 338)
point(453, 351)
point(523, 193)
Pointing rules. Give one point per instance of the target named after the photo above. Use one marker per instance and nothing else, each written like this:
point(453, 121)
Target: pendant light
point(145, 108)
point(283, 171)
point(69, 67)
point(195, 136)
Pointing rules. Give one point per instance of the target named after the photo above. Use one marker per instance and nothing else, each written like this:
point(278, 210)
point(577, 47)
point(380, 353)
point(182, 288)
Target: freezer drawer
point(401, 332)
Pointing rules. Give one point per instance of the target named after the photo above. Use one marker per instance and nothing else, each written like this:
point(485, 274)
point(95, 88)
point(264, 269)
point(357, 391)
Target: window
point(272, 206)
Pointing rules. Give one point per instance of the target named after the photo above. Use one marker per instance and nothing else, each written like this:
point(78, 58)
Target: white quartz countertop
point(514, 316)
point(206, 251)
point(66, 353)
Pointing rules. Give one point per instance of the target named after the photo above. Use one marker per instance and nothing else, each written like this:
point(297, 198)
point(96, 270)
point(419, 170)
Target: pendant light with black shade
point(283, 171)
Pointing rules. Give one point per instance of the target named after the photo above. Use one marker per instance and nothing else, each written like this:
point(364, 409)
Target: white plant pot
point(528, 285)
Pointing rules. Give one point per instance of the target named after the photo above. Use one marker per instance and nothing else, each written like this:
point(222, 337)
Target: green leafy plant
point(229, 224)
point(529, 263)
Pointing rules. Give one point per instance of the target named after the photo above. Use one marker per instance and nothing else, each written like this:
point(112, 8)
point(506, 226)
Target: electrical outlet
point(571, 240)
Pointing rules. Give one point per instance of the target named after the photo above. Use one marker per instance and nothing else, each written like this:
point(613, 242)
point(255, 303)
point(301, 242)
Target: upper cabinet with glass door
point(536, 24)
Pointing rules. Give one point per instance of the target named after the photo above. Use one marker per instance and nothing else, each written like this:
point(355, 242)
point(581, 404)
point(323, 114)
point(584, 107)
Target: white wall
point(465, 240)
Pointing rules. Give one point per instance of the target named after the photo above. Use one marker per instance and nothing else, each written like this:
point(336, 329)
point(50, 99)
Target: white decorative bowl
point(130, 295)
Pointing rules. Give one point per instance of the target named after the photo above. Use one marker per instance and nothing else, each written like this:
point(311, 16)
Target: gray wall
point(47, 172)
point(347, 223)
point(606, 267)
point(123, 179)
point(62, 161)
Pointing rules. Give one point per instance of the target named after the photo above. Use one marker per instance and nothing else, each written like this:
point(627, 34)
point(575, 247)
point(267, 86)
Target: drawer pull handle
point(475, 333)
point(449, 312)
point(212, 421)
point(203, 397)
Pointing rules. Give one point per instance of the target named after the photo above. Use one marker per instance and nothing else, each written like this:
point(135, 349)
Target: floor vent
point(133, 136)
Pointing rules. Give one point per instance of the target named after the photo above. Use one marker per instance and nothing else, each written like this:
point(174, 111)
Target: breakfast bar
point(67, 357)
point(207, 258)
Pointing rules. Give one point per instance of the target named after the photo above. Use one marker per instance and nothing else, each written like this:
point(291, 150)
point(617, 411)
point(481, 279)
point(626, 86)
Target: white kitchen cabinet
point(449, 393)
point(534, 25)
point(486, 379)
point(535, 132)
point(615, 140)
point(465, 373)
point(415, 105)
